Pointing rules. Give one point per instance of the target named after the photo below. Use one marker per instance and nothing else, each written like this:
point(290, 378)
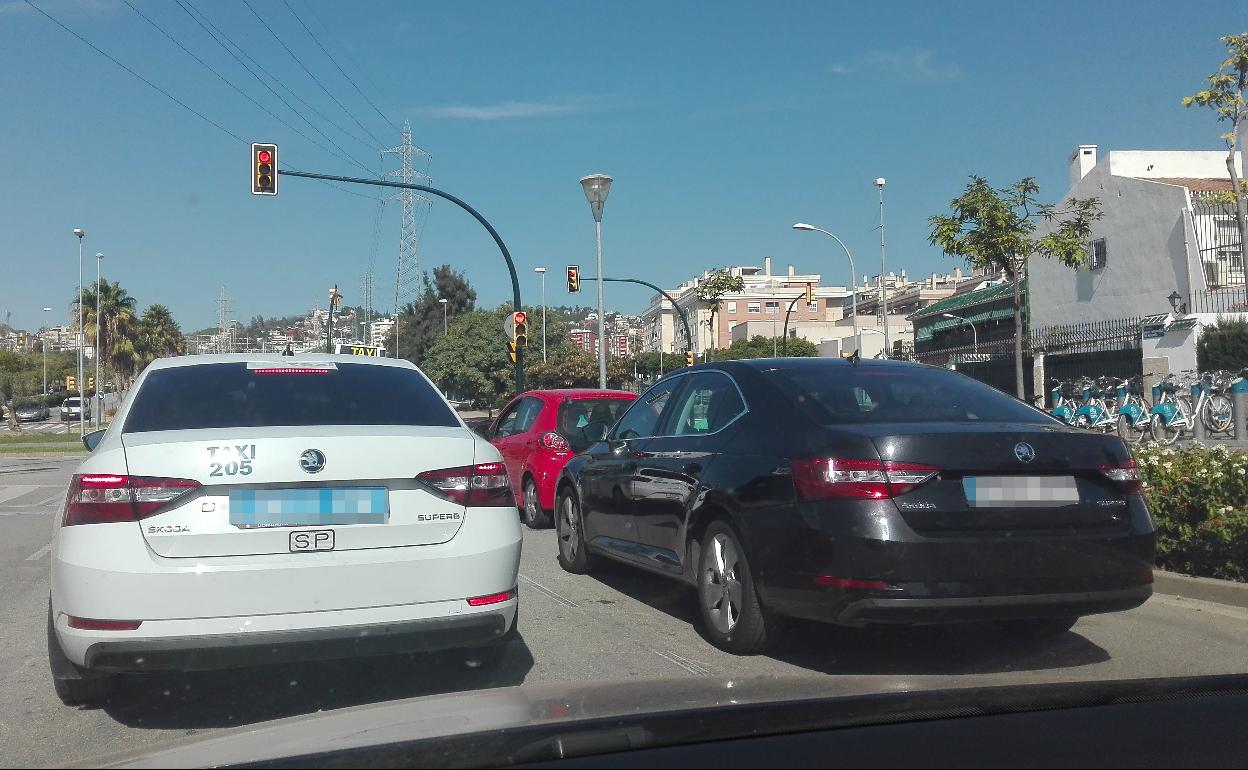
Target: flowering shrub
point(1199, 498)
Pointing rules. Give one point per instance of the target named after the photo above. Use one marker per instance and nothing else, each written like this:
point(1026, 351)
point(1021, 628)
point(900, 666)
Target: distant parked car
point(33, 413)
point(539, 431)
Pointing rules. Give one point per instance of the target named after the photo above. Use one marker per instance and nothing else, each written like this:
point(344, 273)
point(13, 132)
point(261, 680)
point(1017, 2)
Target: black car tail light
point(483, 485)
point(829, 477)
point(1125, 474)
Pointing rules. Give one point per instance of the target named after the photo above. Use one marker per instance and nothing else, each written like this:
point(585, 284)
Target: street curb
point(1204, 589)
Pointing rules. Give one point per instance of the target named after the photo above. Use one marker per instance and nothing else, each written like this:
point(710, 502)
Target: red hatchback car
point(540, 430)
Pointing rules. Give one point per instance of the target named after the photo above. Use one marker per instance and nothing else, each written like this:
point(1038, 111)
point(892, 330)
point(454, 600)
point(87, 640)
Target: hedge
point(1224, 346)
point(1199, 499)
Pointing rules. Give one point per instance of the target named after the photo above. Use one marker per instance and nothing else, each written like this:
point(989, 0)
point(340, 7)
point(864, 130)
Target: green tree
point(577, 369)
point(1227, 96)
point(160, 335)
point(712, 290)
point(995, 229)
point(119, 334)
point(470, 361)
point(1224, 346)
point(420, 323)
point(759, 346)
point(19, 377)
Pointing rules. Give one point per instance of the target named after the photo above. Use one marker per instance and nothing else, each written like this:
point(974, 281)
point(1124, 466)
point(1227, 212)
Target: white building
point(766, 297)
point(378, 331)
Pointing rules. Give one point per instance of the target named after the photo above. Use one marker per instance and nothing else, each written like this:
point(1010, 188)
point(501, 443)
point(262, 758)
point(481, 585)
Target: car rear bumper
point(870, 568)
point(217, 643)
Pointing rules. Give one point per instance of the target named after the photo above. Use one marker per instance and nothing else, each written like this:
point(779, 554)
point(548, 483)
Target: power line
point(217, 34)
point(360, 91)
point(170, 96)
point(341, 154)
point(325, 29)
point(315, 79)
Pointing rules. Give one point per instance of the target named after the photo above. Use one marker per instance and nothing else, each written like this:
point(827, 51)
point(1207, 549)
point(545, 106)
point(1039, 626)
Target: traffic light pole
point(684, 319)
point(787, 313)
point(511, 266)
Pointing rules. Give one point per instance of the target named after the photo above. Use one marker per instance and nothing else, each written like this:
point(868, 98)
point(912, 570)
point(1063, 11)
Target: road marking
point(688, 665)
point(42, 552)
point(16, 491)
point(541, 589)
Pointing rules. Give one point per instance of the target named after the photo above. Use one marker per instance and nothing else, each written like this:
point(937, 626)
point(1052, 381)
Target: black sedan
point(858, 493)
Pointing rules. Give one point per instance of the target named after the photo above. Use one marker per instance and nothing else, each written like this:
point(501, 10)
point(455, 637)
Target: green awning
point(1181, 324)
point(969, 299)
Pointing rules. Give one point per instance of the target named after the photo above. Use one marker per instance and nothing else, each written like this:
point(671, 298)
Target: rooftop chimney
point(766, 265)
point(1082, 160)
point(792, 271)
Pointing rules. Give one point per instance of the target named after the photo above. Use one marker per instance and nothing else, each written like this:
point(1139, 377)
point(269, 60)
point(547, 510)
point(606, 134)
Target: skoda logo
point(1024, 452)
point(312, 460)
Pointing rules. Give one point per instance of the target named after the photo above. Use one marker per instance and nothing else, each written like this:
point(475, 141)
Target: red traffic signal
point(519, 317)
point(574, 278)
point(264, 169)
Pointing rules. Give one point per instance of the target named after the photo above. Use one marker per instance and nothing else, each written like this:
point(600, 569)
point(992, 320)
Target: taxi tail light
point(482, 485)
point(91, 624)
point(499, 598)
point(1126, 475)
point(554, 442)
point(827, 477)
point(98, 498)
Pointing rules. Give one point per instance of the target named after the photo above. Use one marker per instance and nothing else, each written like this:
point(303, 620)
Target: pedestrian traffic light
point(263, 169)
point(688, 358)
point(574, 279)
point(71, 382)
point(810, 294)
point(520, 330)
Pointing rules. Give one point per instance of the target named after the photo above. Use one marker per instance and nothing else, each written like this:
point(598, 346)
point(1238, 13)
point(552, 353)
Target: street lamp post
point(442, 302)
point(542, 271)
point(596, 187)
point(974, 331)
point(82, 426)
point(853, 287)
point(99, 258)
point(879, 183)
point(43, 345)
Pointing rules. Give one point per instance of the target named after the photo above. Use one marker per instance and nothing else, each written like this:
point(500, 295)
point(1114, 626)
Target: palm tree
point(119, 332)
point(160, 335)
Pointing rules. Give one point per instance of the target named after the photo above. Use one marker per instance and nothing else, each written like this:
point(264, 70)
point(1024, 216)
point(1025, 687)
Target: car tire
point(733, 618)
point(1036, 628)
point(574, 557)
point(73, 686)
point(534, 516)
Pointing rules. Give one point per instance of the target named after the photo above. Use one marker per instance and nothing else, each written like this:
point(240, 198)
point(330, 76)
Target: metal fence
point(1118, 334)
point(1231, 299)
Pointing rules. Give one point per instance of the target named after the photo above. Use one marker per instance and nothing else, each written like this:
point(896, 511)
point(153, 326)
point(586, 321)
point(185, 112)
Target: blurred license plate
point(311, 507)
point(1020, 491)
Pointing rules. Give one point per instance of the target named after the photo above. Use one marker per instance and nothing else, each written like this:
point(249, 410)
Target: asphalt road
point(614, 625)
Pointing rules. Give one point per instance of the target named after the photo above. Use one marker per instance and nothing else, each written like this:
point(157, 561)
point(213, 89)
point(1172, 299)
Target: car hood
point(615, 711)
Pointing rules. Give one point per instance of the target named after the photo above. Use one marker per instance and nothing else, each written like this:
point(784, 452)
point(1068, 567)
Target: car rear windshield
point(71, 402)
point(837, 394)
point(235, 396)
point(584, 421)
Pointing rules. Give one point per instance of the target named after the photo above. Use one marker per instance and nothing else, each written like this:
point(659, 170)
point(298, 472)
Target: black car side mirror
point(93, 439)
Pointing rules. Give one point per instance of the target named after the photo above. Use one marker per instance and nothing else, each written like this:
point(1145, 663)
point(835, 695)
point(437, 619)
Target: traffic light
point(520, 330)
point(71, 382)
point(810, 294)
point(574, 279)
point(90, 383)
point(688, 358)
point(264, 169)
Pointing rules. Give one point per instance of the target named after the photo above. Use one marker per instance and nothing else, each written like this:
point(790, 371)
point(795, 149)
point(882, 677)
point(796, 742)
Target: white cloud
point(841, 69)
point(917, 66)
point(509, 110)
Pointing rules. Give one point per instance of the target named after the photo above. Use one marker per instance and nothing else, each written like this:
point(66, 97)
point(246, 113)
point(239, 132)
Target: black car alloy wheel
point(573, 556)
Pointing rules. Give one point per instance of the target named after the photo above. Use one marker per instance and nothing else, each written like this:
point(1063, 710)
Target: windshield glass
point(583, 421)
point(569, 357)
point(239, 396)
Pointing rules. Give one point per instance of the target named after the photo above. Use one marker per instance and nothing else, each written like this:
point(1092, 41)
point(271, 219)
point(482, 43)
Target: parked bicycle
point(1064, 401)
point(1198, 397)
point(1097, 412)
point(1134, 421)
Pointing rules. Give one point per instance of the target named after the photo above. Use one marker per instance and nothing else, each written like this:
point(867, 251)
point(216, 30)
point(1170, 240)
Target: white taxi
point(257, 508)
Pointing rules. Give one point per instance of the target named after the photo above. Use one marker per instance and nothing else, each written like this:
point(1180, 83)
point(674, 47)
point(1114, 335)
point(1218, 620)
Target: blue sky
point(722, 124)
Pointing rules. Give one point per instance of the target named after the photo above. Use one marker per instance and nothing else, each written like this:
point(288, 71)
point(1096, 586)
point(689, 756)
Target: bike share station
point(1184, 402)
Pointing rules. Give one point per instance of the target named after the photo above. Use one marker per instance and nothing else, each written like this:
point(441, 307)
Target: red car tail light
point(826, 477)
point(104, 498)
point(482, 601)
point(484, 485)
point(1125, 474)
point(554, 442)
point(89, 624)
